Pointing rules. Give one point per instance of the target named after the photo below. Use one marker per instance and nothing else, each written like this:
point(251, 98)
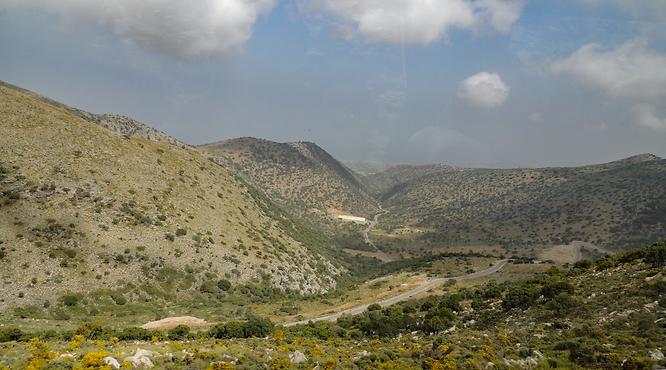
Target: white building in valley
point(358, 220)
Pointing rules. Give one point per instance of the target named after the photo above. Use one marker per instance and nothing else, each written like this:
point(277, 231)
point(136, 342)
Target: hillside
point(617, 205)
point(394, 177)
point(89, 210)
point(366, 168)
point(114, 122)
point(604, 315)
point(301, 175)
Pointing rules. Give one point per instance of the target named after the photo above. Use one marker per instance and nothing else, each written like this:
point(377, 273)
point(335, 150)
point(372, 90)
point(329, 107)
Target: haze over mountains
point(104, 198)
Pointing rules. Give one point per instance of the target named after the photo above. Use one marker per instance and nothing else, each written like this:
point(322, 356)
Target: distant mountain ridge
point(620, 204)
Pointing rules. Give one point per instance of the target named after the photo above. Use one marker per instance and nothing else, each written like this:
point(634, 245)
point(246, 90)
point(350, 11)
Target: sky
point(484, 83)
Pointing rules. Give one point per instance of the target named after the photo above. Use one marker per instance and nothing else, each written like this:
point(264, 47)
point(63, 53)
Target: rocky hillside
point(89, 209)
point(301, 175)
point(114, 122)
point(620, 204)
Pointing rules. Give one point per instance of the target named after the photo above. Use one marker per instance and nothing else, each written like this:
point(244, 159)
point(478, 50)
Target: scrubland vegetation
point(616, 205)
point(108, 224)
point(603, 314)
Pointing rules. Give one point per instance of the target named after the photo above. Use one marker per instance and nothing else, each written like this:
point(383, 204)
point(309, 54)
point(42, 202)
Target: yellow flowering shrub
point(220, 365)
point(280, 364)
point(278, 336)
point(330, 364)
point(40, 354)
point(75, 343)
point(93, 360)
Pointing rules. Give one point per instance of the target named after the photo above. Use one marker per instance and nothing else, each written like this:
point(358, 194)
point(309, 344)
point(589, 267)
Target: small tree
point(224, 284)
point(70, 300)
point(374, 307)
point(179, 332)
point(257, 326)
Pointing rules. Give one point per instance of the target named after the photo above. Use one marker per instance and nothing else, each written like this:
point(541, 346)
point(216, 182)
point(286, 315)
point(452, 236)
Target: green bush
point(374, 307)
point(562, 303)
point(552, 289)
point(224, 285)
point(92, 331)
point(438, 319)
point(583, 264)
point(209, 287)
point(519, 297)
point(134, 333)
point(257, 326)
point(118, 298)
point(70, 300)
point(232, 329)
point(179, 332)
point(10, 334)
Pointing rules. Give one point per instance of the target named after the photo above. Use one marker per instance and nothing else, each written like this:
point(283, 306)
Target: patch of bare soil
point(568, 253)
point(172, 322)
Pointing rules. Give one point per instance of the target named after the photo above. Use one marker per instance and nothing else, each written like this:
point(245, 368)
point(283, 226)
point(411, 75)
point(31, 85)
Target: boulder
point(141, 359)
point(656, 355)
point(110, 361)
point(297, 357)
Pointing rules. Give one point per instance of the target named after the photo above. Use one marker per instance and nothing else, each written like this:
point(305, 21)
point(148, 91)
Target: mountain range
point(103, 203)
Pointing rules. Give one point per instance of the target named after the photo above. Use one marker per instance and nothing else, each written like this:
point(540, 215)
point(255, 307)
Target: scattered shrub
point(10, 334)
point(224, 284)
point(118, 298)
point(179, 332)
point(92, 331)
point(70, 300)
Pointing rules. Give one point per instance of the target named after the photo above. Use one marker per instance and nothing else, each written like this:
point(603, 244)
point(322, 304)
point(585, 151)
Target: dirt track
point(429, 284)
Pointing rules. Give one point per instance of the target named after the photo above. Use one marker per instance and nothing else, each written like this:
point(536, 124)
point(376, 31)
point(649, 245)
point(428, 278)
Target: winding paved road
point(371, 225)
point(378, 252)
point(429, 284)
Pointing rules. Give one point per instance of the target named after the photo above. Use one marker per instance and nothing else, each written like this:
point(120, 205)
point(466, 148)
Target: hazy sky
point(468, 82)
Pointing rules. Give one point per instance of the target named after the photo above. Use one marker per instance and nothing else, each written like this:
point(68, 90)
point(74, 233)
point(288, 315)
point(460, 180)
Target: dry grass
point(93, 207)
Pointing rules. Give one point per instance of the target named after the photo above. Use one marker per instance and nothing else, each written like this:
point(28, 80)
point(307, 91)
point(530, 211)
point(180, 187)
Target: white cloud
point(484, 90)
point(178, 27)
point(631, 70)
point(500, 14)
point(646, 116)
point(421, 21)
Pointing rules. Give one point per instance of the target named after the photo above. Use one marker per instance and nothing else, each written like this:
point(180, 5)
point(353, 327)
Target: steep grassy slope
point(302, 175)
point(87, 209)
point(619, 204)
